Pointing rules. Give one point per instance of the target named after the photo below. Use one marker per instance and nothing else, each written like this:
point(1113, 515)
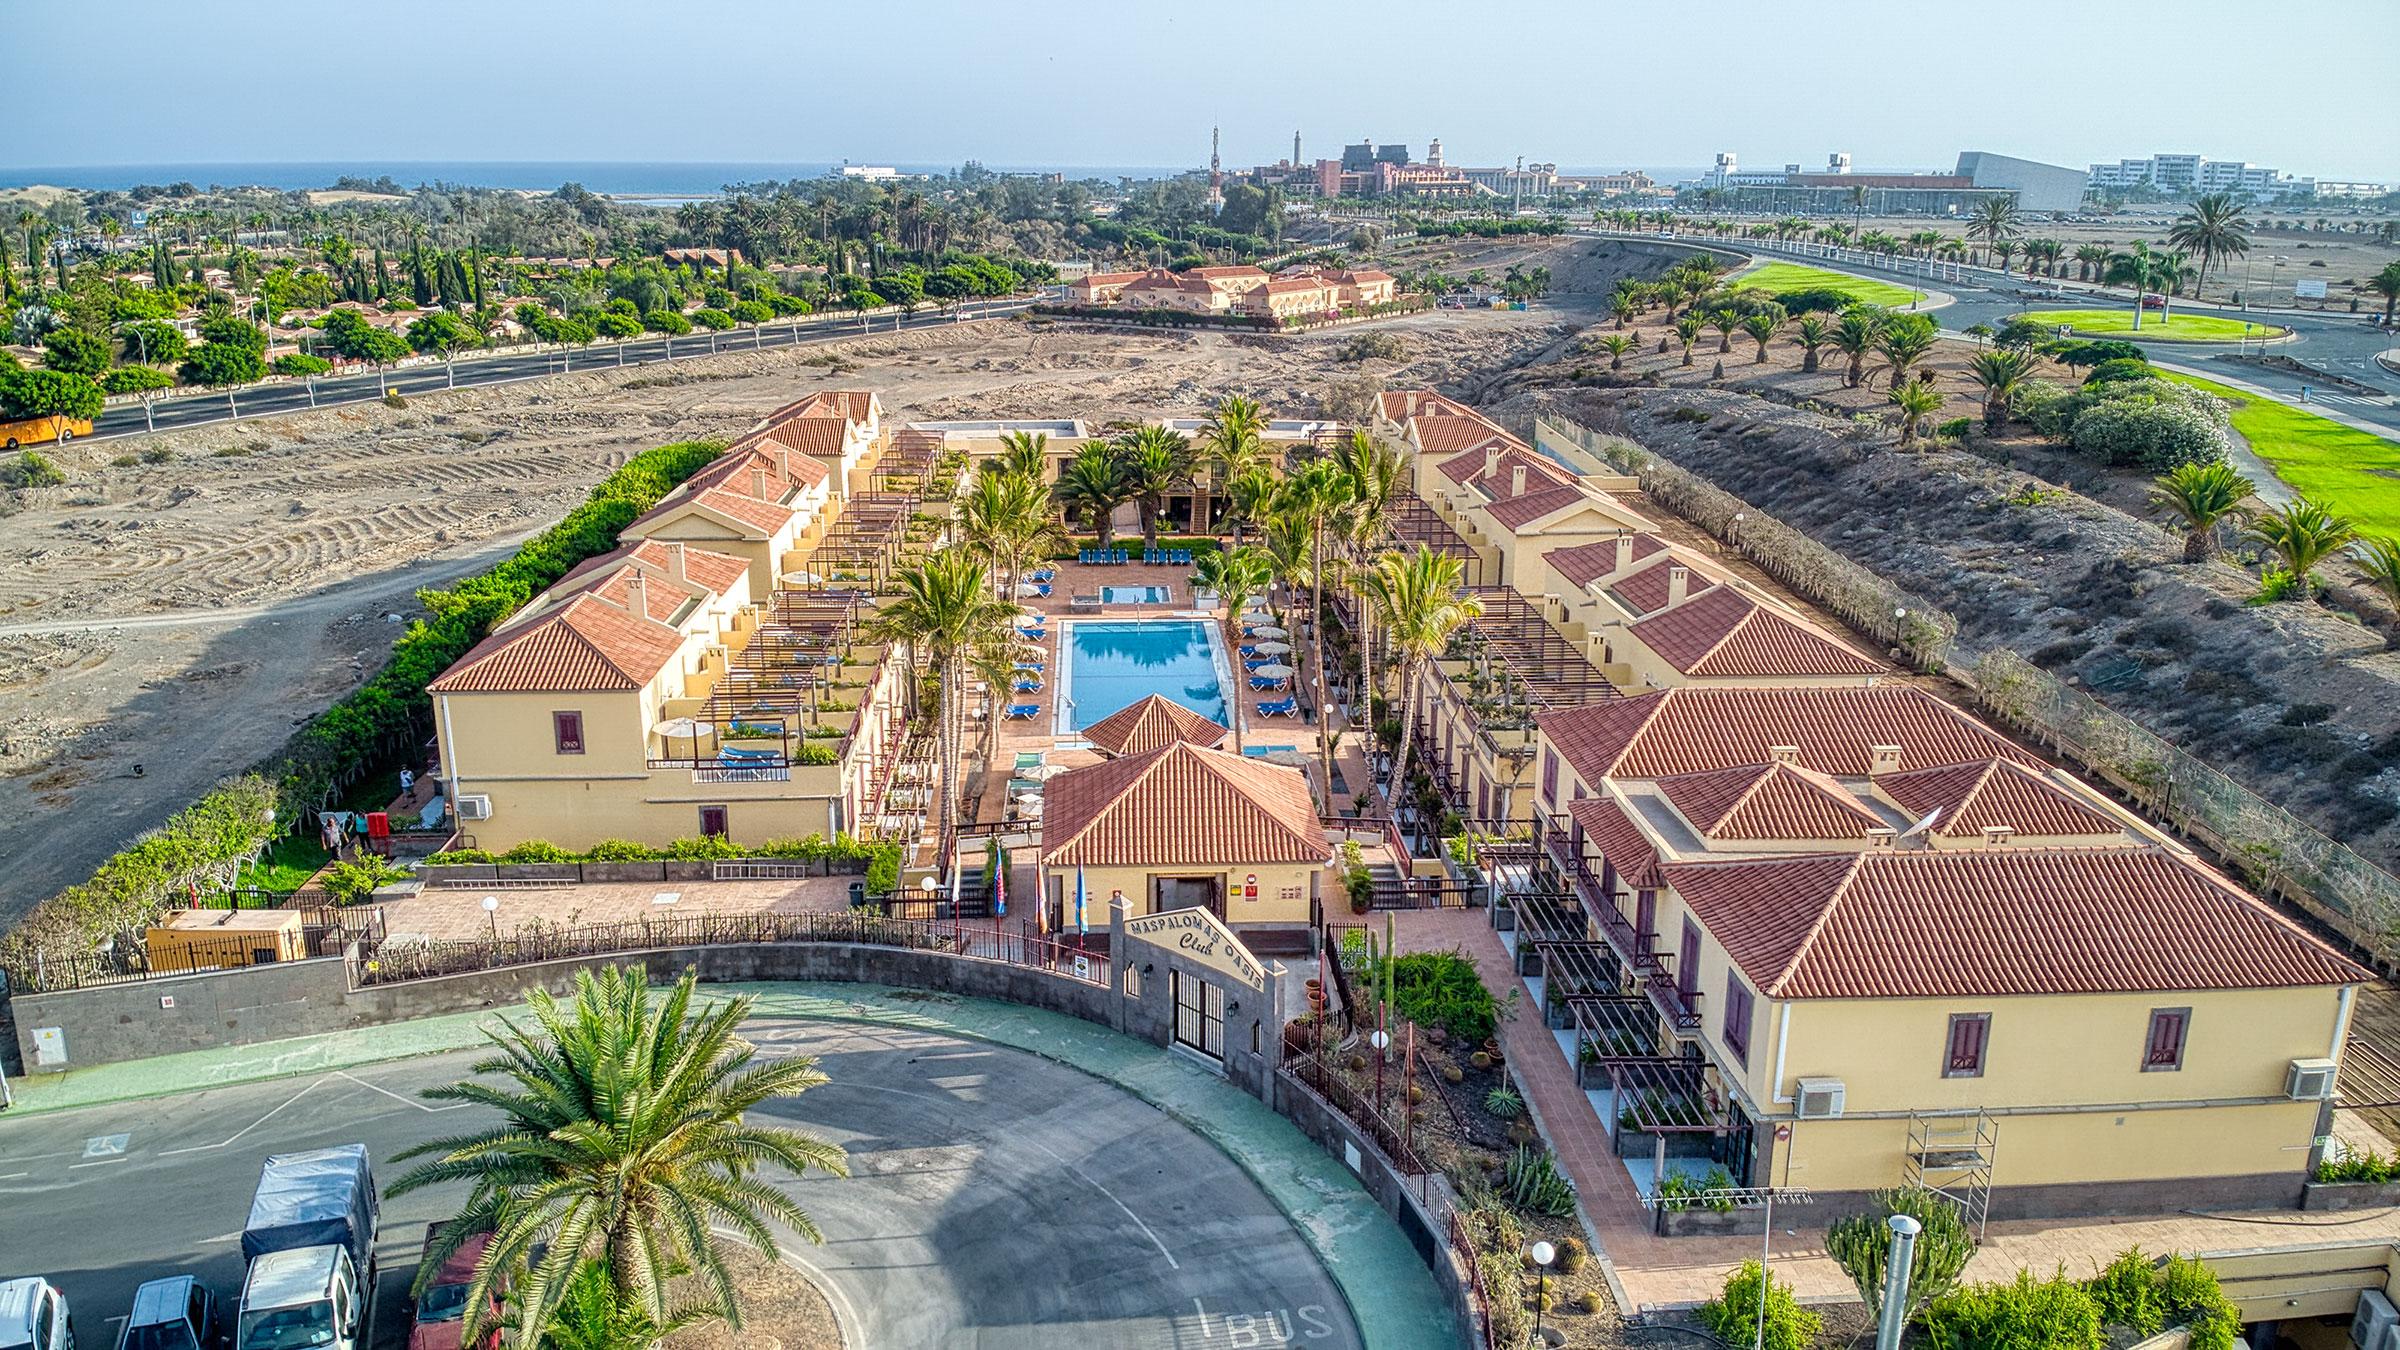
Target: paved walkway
point(1391, 1294)
point(1652, 1271)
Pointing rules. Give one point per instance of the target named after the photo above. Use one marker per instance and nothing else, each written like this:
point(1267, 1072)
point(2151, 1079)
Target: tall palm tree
point(1156, 461)
point(2196, 497)
point(1378, 474)
point(1994, 219)
point(2139, 268)
point(2089, 259)
point(622, 1141)
point(2001, 372)
point(1760, 326)
point(2212, 227)
point(1233, 436)
point(944, 611)
point(1417, 598)
point(1811, 333)
point(1314, 497)
point(1093, 485)
point(1854, 335)
point(2302, 534)
point(1249, 494)
point(1903, 341)
point(1916, 400)
point(2379, 557)
point(2386, 283)
point(1233, 575)
point(1006, 517)
point(1023, 452)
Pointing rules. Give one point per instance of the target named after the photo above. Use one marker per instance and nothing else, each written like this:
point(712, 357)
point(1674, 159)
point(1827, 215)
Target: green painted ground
point(1783, 276)
point(2348, 471)
point(2177, 328)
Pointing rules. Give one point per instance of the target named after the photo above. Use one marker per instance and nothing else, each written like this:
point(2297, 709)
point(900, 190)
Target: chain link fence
point(2273, 851)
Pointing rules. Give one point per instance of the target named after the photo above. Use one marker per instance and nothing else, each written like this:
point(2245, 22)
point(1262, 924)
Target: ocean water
point(658, 181)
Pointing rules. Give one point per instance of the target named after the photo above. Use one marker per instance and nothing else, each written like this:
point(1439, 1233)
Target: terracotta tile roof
point(1994, 792)
point(855, 404)
point(1160, 279)
point(1515, 513)
point(1451, 435)
point(1644, 591)
point(1152, 724)
point(1619, 840)
point(814, 436)
point(1723, 633)
point(710, 570)
point(1181, 806)
point(586, 644)
point(1097, 279)
point(1586, 563)
point(1768, 801)
point(1995, 923)
point(1291, 285)
point(1365, 274)
point(1235, 272)
point(764, 516)
point(1692, 729)
point(1399, 405)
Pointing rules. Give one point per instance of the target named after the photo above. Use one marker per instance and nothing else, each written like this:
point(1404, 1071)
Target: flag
point(1080, 930)
point(999, 884)
point(1041, 906)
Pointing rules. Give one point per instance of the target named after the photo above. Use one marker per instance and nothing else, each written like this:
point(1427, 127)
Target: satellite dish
point(1921, 826)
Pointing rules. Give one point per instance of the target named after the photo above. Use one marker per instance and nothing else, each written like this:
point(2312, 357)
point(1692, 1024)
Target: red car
point(441, 1314)
point(2154, 302)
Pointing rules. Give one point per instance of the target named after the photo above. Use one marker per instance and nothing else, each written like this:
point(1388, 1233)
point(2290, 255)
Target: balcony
point(748, 769)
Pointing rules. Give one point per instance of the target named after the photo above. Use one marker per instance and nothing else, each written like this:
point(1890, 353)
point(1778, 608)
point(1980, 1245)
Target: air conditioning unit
point(2373, 1321)
point(475, 808)
point(2310, 1080)
point(1821, 1098)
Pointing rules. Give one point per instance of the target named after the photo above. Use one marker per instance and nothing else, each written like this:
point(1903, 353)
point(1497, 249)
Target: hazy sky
point(1127, 82)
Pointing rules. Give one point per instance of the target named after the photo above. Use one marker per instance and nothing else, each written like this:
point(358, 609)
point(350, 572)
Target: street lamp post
point(491, 915)
point(1542, 1254)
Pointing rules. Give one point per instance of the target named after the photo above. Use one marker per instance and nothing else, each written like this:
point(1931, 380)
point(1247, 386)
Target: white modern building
point(2194, 174)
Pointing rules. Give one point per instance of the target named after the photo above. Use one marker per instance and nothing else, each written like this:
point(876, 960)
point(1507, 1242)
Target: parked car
point(2154, 302)
point(33, 1316)
point(176, 1313)
point(441, 1314)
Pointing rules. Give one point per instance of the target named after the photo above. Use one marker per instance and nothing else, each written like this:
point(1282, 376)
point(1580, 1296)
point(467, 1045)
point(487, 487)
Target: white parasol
point(1278, 671)
point(1268, 630)
point(1272, 648)
point(1041, 773)
point(1292, 759)
point(691, 728)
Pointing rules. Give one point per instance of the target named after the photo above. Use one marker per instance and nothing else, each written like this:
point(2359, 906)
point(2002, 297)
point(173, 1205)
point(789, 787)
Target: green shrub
point(2126, 1291)
point(703, 848)
point(352, 882)
point(537, 851)
point(2190, 1296)
point(34, 469)
point(2047, 406)
point(1440, 989)
point(1955, 429)
point(197, 847)
point(620, 850)
point(2120, 369)
point(2153, 437)
point(2093, 352)
point(1504, 1102)
point(2028, 1314)
point(462, 857)
point(2369, 1166)
point(1534, 1184)
point(301, 363)
point(1733, 1315)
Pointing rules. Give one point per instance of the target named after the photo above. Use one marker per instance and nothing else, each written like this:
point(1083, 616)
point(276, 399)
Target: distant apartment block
point(1980, 175)
point(2181, 174)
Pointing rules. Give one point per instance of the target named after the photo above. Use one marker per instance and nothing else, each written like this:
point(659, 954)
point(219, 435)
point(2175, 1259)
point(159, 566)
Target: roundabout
point(2193, 328)
point(996, 1197)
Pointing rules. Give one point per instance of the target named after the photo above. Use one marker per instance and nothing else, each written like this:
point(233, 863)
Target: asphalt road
point(191, 410)
point(2344, 344)
point(996, 1200)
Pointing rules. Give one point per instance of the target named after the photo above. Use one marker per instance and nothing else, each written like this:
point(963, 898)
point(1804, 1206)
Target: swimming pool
point(1135, 595)
point(1105, 666)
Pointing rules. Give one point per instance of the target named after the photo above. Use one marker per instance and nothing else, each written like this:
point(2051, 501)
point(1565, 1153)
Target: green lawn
point(1783, 276)
point(2180, 327)
point(289, 861)
point(2341, 468)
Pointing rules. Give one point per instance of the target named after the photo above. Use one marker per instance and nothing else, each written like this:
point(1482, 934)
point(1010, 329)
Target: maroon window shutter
point(2166, 1039)
point(1967, 1035)
point(566, 729)
point(1550, 776)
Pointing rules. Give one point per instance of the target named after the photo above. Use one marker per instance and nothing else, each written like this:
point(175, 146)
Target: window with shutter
point(1737, 1018)
point(1970, 1033)
point(566, 731)
point(1549, 776)
point(2163, 1053)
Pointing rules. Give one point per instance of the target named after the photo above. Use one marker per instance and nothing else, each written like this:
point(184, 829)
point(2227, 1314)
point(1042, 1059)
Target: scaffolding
point(1951, 1156)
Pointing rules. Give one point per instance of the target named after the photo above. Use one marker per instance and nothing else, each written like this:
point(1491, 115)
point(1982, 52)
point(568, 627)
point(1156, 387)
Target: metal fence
point(400, 959)
point(2273, 850)
point(129, 961)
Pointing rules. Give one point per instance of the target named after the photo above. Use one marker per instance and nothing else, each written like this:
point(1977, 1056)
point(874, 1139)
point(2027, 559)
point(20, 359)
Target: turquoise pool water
point(1135, 595)
point(1109, 666)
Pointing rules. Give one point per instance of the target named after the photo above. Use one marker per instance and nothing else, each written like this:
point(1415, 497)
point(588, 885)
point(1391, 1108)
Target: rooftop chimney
point(1881, 836)
point(675, 560)
point(1882, 759)
point(637, 594)
point(1996, 835)
point(1624, 551)
point(1516, 481)
point(758, 480)
point(1491, 459)
point(1784, 754)
point(1679, 580)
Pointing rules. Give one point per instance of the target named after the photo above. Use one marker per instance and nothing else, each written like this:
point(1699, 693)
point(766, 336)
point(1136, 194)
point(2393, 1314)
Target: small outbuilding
point(216, 939)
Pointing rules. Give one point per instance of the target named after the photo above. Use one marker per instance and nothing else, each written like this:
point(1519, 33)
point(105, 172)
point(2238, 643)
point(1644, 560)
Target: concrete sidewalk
point(1391, 1294)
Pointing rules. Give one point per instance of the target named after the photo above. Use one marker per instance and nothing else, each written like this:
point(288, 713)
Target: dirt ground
point(164, 624)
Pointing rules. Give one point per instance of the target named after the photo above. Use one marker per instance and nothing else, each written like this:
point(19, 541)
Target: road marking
point(203, 1148)
point(15, 1176)
point(410, 1101)
point(104, 1145)
point(97, 1162)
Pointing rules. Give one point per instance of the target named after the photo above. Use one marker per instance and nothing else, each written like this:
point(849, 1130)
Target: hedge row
point(364, 731)
point(882, 858)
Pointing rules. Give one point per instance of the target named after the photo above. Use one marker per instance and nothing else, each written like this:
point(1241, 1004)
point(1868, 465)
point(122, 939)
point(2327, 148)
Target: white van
point(306, 1298)
point(33, 1316)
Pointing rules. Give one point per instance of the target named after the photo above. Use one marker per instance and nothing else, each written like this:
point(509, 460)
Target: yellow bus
point(37, 430)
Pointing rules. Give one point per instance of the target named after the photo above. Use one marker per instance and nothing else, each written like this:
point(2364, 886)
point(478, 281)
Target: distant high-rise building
point(1433, 153)
point(1358, 158)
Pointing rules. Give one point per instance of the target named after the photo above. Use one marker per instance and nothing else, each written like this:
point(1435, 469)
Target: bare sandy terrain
point(162, 625)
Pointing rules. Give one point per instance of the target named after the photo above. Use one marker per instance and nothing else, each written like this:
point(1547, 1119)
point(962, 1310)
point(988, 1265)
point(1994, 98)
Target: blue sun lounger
point(1288, 707)
point(1025, 710)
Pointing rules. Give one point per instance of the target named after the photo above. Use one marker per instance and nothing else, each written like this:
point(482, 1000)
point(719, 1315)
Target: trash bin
point(858, 895)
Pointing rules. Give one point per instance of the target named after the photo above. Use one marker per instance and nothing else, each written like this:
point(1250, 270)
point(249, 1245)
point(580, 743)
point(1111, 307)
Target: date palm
point(622, 1141)
point(2195, 498)
point(1234, 436)
point(1616, 345)
point(1727, 321)
point(1155, 461)
point(2386, 283)
point(2213, 228)
point(1687, 332)
point(1811, 333)
point(1092, 485)
point(2001, 372)
point(1760, 328)
point(2379, 557)
point(1854, 335)
point(1314, 498)
point(2089, 259)
point(1417, 599)
point(1233, 575)
point(1902, 342)
point(1916, 400)
point(1378, 476)
point(1249, 496)
point(944, 612)
point(2004, 250)
point(1006, 517)
point(1623, 307)
point(1026, 453)
point(1994, 219)
point(2302, 535)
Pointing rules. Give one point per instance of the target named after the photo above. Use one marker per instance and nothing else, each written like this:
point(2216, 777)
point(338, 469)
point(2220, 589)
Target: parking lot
point(996, 1199)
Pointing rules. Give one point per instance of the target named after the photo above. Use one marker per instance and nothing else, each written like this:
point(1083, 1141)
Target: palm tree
point(2379, 557)
point(1233, 575)
point(1616, 345)
point(1687, 332)
point(1093, 485)
point(1727, 321)
point(1006, 517)
point(1623, 306)
point(1811, 334)
point(2196, 497)
point(622, 1142)
point(944, 611)
point(1234, 436)
point(1026, 453)
point(1377, 474)
point(591, 1315)
point(1994, 219)
point(2003, 250)
point(1314, 498)
point(1155, 460)
point(1417, 599)
point(1903, 341)
point(2212, 226)
point(2386, 283)
point(1854, 336)
point(1249, 495)
point(2138, 268)
point(2302, 534)
point(2089, 259)
point(2001, 372)
point(1761, 326)
point(1916, 400)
